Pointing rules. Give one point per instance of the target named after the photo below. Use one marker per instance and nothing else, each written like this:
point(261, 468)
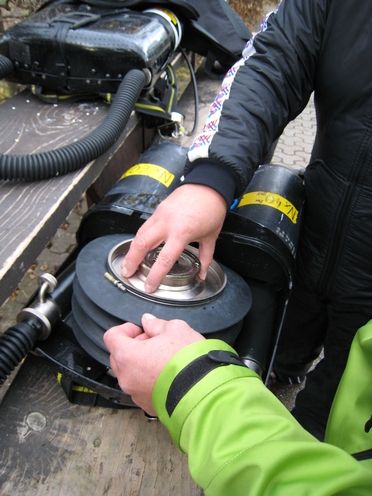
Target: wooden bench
point(48, 445)
point(31, 212)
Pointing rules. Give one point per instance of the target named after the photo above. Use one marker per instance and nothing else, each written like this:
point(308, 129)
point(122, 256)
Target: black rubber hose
point(76, 155)
point(195, 88)
point(6, 67)
point(15, 344)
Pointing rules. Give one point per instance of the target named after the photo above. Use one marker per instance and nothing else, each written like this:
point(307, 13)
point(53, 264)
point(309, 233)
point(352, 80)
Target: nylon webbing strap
point(62, 24)
point(195, 371)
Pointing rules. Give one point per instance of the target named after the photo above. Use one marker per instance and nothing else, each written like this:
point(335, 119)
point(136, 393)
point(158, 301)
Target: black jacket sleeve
point(261, 95)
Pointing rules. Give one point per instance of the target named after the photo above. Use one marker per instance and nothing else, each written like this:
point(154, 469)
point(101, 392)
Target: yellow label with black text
point(151, 170)
point(270, 200)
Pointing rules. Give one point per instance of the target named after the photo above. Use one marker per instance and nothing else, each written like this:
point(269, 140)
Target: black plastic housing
point(82, 49)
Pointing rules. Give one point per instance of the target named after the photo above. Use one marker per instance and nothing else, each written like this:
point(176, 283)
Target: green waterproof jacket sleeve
point(240, 440)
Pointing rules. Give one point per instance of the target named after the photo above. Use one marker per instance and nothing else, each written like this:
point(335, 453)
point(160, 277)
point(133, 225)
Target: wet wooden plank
point(31, 212)
point(51, 447)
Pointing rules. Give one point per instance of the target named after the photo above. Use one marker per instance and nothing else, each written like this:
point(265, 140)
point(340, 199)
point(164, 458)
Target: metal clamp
point(44, 310)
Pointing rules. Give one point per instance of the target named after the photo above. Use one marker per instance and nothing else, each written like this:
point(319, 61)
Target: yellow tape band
point(151, 170)
point(169, 14)
point(270, 200)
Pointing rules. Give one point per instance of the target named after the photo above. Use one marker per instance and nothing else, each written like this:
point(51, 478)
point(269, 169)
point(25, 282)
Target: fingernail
point(124, 270)
point(149, 289)
point(148, 316)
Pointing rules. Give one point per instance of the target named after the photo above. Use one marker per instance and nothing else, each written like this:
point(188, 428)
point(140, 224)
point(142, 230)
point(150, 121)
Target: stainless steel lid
point(180, 286)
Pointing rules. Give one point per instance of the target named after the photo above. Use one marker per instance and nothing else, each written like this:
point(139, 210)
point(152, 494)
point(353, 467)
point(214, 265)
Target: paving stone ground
point(293, 150)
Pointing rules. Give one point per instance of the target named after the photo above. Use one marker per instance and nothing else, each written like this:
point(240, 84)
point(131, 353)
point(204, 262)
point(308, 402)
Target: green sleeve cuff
point(210, 381)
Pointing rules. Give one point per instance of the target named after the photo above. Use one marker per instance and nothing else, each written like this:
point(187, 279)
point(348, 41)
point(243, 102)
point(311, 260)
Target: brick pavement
point(294, 147)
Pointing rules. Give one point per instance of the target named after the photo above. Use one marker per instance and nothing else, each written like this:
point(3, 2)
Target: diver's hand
point(138, 356)
point(192, 213)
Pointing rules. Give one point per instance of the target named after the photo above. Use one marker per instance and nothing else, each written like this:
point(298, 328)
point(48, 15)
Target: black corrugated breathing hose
point(76, 155)
point(15, 344)
point(6, 67)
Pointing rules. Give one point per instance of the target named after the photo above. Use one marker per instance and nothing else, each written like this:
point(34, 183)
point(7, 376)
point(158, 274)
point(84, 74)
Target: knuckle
point(139, 242)
point(165, 260)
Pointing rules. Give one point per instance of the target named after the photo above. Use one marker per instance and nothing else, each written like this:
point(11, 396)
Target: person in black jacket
point(305, 47)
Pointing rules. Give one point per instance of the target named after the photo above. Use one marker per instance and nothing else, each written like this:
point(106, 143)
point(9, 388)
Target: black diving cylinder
point(259, 241)
point(137, 194)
